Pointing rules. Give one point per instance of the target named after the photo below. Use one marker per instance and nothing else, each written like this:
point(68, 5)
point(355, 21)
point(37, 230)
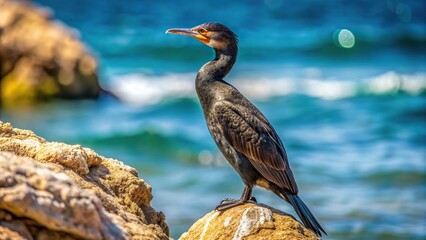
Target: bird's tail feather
point(305, 215)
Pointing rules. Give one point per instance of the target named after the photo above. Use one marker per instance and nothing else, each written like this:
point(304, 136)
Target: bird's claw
point(227, 200)
point(228, 203)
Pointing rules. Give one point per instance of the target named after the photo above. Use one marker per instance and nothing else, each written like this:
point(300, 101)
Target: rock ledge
point(53, 190)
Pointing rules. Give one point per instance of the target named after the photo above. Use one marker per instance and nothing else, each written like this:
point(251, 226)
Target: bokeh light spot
point(346, 38)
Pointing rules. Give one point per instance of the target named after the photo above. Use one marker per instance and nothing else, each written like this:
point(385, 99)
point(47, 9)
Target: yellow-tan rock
point(41, 59)
point(57, 191)
point(248, 222)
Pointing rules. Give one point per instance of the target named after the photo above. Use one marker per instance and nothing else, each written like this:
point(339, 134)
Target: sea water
point(342, 82)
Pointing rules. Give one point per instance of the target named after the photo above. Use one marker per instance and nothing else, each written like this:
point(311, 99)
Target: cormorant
point(240, 130)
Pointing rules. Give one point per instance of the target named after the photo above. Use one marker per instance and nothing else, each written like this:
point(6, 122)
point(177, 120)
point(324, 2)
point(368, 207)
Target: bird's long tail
point(305, 215)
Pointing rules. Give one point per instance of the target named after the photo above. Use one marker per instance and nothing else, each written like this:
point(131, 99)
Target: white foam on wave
point(144, 90)
point(393, 82)
point(331, 89)
point(264, 89)
point(140, 89)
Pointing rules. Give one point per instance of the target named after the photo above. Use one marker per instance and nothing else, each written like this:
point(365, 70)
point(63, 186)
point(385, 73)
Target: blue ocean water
point(352, 119)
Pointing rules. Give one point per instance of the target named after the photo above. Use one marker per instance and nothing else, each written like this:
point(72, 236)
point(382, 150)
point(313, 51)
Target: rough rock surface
point(41, 59)
point(248, 222)
point(53, 190)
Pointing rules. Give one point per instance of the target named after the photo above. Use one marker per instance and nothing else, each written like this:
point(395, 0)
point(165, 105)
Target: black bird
point(242, 133)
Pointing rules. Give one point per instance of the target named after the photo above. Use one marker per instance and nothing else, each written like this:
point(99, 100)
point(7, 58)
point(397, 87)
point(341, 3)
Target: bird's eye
point(202, 30)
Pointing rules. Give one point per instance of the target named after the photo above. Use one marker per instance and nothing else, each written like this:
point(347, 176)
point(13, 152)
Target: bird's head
point(215, 35)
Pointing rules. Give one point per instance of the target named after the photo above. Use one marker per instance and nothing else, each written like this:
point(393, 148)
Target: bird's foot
point(228, 203)
point(227, 200)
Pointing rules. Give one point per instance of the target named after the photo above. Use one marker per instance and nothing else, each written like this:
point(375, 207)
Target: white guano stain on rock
point(206, 226)
point(252, 219)
point(227, 221)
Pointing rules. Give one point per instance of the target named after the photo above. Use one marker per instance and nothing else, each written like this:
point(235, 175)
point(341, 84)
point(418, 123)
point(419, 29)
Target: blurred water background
point(343, 83)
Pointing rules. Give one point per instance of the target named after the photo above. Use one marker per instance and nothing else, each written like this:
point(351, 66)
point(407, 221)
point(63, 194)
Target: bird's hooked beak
point(194, 32)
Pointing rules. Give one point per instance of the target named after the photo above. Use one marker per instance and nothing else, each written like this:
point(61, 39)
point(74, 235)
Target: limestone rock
point(59, 191)
point(40, 58)
point(26, 143)
point(248, 222)
point(31, 190)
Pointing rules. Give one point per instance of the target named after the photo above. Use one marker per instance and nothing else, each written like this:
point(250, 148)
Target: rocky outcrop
point(41, 59)
point(248, 222)
point(51, 199)
point(53, 190)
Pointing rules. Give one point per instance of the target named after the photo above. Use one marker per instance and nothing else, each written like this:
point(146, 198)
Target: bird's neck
point(212, 72)
point(219, 67)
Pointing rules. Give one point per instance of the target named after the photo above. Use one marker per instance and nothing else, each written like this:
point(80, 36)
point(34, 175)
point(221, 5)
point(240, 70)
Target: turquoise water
point(352, 119)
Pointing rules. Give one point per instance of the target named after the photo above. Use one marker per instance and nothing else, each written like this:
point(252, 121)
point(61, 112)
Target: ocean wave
point(142, 90)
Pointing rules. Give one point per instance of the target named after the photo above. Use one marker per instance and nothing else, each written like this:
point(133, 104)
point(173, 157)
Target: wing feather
point(248, 131)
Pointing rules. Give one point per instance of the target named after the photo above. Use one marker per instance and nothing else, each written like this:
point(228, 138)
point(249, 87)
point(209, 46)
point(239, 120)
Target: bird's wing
point(251, 134)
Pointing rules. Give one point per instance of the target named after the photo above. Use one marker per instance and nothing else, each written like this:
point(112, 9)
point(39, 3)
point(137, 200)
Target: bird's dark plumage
point(240, 130)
